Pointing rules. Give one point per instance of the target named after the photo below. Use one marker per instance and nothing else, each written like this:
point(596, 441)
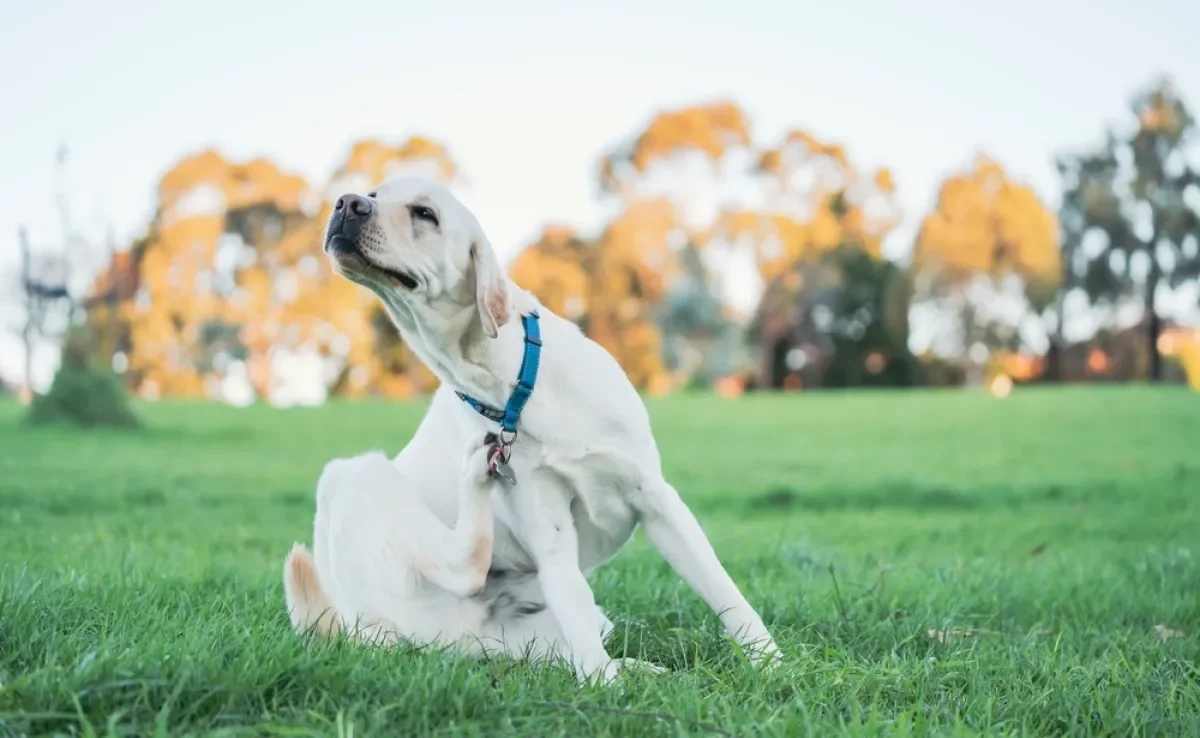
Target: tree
point(211, 273)
point(705, 134)
point(701, 342)
point(42, 288)
point(1131, 209)
point(229, 283)
point(607, 286)
point(837, 320)
point(745, 213)
point(558, 268)
point(822, 200)
point(51, 279)
point(669, 182)
point(704, 218)
point(815, 209)
point(989, 241)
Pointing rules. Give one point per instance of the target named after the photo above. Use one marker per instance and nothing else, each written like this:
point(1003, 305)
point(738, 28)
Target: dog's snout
point(353, 206)
point(350, 213)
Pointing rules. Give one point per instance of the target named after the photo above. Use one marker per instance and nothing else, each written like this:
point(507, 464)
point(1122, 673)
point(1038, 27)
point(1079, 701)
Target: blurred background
point(769, 196)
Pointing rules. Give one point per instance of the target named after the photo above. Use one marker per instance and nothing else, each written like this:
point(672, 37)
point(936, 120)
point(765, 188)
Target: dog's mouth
point(342, 247)
point(405, 279)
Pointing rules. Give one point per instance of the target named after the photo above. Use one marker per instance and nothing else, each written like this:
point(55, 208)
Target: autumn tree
point(1131, 211)
point(558, 268)
point(704, 219)
point(668, 182)
point(747, 213)
point(611, 284)
point(230, 280)
point(699, 139)
point(206, 265)
point(814, 200)
point(608, 287)
point(989, 239)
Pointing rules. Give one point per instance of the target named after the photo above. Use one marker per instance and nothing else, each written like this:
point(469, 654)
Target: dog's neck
point(449, 339)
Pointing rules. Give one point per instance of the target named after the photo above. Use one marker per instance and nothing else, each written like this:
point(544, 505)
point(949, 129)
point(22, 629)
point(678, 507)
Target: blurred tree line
point(728, 261)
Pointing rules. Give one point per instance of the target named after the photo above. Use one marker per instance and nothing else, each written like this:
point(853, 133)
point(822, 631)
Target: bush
point(82, 395)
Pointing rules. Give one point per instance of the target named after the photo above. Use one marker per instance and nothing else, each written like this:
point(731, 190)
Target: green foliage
point(81, 394)
point(853, 308)
point(870, 311)
point(697, 335)
point(1134, 197)
point(932, 563)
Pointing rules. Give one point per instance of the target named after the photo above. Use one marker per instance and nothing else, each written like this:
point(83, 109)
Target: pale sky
point(529, 94)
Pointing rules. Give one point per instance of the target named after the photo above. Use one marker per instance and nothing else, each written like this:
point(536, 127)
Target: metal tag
point(498, 464)
point(505, 472)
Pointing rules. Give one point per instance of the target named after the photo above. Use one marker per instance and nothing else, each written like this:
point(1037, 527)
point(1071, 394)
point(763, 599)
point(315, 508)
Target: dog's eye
point(421, 212)
point(372, 194)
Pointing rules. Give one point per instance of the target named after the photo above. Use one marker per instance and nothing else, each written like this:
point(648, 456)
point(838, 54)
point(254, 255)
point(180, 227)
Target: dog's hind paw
point(629, 664)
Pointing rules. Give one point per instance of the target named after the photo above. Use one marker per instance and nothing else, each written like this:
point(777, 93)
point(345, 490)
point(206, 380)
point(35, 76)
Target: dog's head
point(411, 241)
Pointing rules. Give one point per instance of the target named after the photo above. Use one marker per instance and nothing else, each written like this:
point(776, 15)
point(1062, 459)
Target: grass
point(932, 563)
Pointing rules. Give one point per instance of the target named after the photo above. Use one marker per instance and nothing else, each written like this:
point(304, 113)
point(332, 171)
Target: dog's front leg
point(676, 533)
point(541, 502)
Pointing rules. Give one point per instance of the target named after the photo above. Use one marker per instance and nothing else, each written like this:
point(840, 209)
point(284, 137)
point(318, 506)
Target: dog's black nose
point(350, 213)
point(353, 206)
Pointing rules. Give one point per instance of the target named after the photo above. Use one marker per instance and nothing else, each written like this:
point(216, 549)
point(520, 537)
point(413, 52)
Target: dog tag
point(498, 467)
point(505, 472)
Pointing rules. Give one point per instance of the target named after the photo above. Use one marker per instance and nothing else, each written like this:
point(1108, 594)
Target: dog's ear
point(491, 288)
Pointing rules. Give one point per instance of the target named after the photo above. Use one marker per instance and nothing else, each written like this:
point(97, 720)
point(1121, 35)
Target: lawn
point(931, 563)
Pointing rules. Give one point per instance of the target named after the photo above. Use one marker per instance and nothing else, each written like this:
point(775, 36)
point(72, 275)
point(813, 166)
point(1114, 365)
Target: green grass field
point(931, 563)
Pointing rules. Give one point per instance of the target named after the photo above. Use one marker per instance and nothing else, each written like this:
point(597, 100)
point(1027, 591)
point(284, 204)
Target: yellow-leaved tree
point(704, 219)
point(989, 239)
point(815, 199)
point(745, 215)
point(232, 288)
point(606, 286)
point(198, 280)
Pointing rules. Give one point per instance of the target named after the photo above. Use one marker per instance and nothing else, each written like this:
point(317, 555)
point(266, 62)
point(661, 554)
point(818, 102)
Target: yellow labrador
point(385, 569)
point(580, 470)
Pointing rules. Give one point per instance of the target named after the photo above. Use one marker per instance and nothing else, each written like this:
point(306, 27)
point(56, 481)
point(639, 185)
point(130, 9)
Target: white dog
point(387, 570)
point(586, 466)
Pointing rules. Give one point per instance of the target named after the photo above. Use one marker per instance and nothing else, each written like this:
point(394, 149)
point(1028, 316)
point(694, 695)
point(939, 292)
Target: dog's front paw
point(765, 656)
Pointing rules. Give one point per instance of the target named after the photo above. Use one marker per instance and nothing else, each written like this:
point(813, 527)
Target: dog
point(582, 467)
point(385, 570)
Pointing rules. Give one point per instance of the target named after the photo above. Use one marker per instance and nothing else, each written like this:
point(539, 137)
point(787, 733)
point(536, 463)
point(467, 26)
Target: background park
point(939, 418)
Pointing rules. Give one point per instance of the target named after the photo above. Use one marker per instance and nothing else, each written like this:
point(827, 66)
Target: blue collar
point(526, 377)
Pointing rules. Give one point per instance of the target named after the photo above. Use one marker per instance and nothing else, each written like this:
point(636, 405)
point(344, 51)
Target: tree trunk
point(30, 311)
point(1154, 323)
point(1058, 342)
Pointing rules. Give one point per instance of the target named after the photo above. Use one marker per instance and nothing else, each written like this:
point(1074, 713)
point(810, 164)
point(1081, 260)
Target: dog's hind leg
point(676, 533)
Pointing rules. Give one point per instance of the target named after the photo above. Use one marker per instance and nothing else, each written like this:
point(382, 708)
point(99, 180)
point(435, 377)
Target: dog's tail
point(307, 603)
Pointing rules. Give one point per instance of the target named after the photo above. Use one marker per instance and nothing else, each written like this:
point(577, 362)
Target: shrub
point(81, 394)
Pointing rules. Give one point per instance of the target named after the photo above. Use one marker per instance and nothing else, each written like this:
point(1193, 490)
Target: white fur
point(587, 466)
point(384, 569)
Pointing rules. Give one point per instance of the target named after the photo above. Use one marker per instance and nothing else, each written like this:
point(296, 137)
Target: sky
point(528, 95)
